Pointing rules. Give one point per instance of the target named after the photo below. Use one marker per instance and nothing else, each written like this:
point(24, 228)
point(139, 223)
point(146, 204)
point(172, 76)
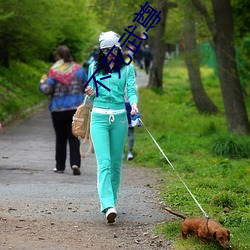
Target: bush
point(19, 88)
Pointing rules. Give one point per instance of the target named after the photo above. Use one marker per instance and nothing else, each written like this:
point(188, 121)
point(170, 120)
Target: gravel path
point(43, 210)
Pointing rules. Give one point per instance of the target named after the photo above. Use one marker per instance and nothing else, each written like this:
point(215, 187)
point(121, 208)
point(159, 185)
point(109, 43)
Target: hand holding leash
point(135, 120)
point(134, 109)
point(90, 91)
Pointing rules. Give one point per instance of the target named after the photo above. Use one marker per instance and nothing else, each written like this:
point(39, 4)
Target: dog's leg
point(184, 235)
point(201, 242)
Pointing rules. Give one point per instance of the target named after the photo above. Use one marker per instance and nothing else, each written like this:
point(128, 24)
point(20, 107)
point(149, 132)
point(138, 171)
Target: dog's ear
point(214, 235)
point(228, 237)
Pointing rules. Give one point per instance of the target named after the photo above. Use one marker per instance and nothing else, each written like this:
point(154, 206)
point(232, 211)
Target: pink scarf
point(63, 72)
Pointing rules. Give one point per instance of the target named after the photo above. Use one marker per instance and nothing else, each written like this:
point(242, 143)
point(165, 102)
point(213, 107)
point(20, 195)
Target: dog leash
point(174, 169)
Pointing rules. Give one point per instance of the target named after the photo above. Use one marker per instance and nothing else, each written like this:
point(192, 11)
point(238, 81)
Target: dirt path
point(43, 210)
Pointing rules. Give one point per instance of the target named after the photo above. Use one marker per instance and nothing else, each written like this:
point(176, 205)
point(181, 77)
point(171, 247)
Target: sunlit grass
point(219, 182)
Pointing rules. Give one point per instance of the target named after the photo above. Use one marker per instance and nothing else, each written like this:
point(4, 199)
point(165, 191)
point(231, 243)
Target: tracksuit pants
point(108, 133)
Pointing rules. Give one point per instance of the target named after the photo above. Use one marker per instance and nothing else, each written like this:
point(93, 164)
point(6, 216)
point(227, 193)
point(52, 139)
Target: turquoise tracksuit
point(109, 129)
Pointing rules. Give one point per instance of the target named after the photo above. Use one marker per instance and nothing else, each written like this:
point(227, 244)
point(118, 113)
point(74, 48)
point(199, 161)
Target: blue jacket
point(65, 97)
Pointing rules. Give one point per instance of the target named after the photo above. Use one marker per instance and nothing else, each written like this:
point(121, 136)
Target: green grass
point(214, 164)
point(19, 88)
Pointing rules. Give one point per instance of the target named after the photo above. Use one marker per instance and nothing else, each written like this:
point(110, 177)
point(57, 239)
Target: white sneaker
point(58, 171)
point(130, 156)
point(111, 214)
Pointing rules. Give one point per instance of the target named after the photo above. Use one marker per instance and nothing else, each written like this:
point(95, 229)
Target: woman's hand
point(90, 91)
point(134, 109)
point(43, 79)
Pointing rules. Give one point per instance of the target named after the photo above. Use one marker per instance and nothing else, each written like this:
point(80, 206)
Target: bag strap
point(85, 99)
point(87, 136)
point(91, 148)
point(85, 139)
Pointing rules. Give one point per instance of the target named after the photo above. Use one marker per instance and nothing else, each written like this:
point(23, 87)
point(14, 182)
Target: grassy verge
point(214, 164)
point(19, 88)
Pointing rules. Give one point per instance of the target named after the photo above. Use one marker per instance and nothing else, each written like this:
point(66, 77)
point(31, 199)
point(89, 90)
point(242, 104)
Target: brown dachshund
point(204, 229)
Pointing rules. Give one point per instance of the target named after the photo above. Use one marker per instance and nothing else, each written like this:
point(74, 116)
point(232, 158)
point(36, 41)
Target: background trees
point(202, 101)
point(222, 30)
point(159, 46)
point(221, 26)
point(32, 30)
point(242, 40)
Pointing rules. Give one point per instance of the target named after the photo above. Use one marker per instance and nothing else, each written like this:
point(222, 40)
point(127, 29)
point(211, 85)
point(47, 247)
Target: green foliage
point(242, 37)
point(41, 29)
point(120, 13)
point(19, 87)
point(243, 59)
point(117, 15)
point(176, 18)
point(241, 17)
point(175, 24)
point(219, 183)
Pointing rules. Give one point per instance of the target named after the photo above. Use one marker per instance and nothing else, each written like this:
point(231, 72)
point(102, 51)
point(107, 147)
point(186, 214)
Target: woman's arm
point(46, 85)
point(131, 89)
point(90, 89)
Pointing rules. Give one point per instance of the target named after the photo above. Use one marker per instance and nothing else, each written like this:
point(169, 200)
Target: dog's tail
point(175, 213)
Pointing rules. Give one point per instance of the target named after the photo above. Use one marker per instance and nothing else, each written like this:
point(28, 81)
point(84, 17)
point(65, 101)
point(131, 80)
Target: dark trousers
point(147, 65)
point(130, 139)
point(62, 122)
point(130, 129)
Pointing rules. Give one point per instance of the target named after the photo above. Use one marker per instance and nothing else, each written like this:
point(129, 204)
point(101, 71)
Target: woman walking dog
point(109, 123)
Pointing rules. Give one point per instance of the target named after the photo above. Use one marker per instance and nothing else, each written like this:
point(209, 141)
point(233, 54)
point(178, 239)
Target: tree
point(28, 33)
point(242, 33)
point(159, 46)
point(201, 99)
point(223, 38)
point(23, 33)
point(111, 14)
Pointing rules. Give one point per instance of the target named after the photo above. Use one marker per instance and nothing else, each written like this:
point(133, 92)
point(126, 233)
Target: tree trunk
point(201, 99)
point(235, 109)
point(159, 48)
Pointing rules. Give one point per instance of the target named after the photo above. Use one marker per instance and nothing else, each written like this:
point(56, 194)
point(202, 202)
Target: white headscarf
point(109, 39)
